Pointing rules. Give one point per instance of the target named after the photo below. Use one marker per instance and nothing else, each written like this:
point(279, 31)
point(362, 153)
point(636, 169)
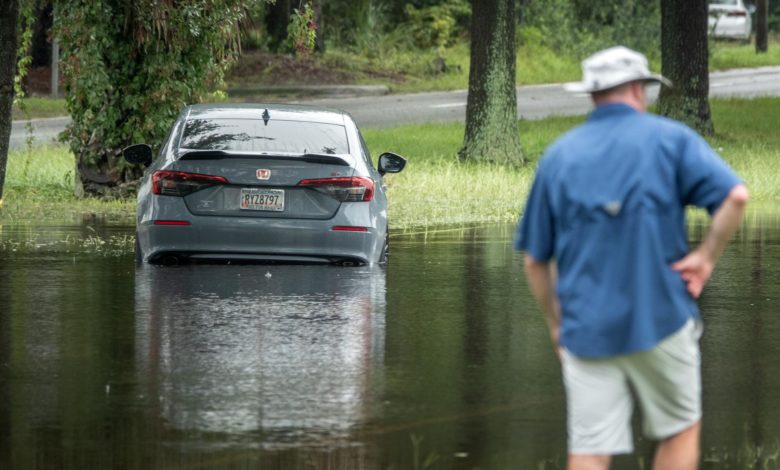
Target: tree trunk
point(41, 43)
point(276, 20)
point(491, 111)
point(684, 57)
point(762, 32)
point(319, 45)
point(9, 16)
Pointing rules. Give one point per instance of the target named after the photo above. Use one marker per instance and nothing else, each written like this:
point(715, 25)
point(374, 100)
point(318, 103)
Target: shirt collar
point(611, 110)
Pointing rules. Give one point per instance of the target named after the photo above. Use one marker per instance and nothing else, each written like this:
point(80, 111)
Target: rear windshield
point(250, 135)
point(723, 2)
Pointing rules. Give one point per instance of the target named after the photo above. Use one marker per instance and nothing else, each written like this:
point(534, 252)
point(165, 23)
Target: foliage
point(302, 31)
point(351, 22)
point(253, 35)
point(437, 25)
point(581, 27)
point(129, 67)
point(24, 58)
point(773, 20)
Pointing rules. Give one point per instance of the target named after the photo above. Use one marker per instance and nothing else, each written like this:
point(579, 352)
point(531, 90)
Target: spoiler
point(325, 158)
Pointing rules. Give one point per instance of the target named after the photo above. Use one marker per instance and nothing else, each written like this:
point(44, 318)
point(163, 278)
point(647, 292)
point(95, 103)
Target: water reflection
point(439, 361)
point(289, 353)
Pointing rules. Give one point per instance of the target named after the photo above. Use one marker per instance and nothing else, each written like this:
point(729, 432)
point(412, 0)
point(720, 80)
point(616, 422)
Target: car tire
point(385, 250)
point(139, 256)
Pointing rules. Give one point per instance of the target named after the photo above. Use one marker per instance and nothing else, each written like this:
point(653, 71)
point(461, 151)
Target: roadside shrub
point(253, 31)
point(437, 25)
point(578, 27)
point(302, 31)
point(130, 68)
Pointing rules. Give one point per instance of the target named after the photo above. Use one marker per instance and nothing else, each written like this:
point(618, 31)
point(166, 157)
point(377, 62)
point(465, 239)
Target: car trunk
point(264, 186)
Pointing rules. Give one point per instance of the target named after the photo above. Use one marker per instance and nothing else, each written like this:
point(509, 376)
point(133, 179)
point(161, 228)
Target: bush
point(436, 26)
point(579, 27)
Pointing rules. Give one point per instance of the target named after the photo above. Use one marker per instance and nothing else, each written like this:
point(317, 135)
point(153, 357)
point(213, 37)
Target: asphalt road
point(533, 102)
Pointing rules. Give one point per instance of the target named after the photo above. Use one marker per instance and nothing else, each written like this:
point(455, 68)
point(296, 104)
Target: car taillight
point(180, 183)
point(352, 189)
point(348, 228)
point(737, 13)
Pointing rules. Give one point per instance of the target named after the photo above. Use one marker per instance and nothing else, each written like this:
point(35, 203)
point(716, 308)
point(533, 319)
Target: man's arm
point(541, 278)
point(696, 268)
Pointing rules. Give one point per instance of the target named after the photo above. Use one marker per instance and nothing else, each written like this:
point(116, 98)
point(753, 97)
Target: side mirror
point(391, 163)
point(751, 8)
point(138, 154)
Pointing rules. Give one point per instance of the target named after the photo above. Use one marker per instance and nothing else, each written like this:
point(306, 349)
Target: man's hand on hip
point(695, 269)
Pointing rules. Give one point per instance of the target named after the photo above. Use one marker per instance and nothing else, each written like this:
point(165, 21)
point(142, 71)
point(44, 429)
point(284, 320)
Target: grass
point(435, 189)
point(115, 245)
point(747, 138)
point(726, 55)
point(35, 108)
point(39, 186)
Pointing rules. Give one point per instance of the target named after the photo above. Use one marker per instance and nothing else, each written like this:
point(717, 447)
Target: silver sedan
point(269, 183)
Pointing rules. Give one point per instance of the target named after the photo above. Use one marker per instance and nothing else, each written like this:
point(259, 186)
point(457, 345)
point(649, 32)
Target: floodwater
point(439, 361)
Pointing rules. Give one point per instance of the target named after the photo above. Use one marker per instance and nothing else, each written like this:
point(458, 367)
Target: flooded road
point(440, 360)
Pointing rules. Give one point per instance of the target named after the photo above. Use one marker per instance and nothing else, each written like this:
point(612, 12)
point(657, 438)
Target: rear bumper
point(251, 239)
point(731, 28)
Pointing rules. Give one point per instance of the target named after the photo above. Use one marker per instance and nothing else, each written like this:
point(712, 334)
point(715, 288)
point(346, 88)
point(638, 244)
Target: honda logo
point(263, 174)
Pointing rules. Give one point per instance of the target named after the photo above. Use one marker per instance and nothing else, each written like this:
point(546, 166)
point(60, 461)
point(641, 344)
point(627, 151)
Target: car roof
point(286, 112)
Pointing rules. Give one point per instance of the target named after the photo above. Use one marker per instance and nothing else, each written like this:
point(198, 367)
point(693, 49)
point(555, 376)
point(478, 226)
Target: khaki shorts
point(666, 381)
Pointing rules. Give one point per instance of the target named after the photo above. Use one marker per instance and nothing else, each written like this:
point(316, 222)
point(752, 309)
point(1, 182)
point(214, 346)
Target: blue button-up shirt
point(608, 204)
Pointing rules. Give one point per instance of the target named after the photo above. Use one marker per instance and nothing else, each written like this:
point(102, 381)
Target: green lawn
point(435, 189)
point(726, 55)
point(34, 108)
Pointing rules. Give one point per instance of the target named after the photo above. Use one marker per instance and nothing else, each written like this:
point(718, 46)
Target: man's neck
point(632, 95)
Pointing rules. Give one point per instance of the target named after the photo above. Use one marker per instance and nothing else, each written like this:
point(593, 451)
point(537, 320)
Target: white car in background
point(729, 19)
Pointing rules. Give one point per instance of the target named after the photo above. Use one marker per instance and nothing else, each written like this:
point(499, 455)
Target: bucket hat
point(613, 67)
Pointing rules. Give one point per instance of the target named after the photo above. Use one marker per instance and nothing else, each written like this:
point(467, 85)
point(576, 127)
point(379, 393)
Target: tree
point(129, 67)
point(491, 110)
point(762, 33)
point(9, 16)
point(276, 20)
point(40, 50)
point(684, 60)
point(347, 20)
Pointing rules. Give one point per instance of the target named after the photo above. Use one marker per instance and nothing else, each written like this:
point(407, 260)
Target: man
point(607, 207)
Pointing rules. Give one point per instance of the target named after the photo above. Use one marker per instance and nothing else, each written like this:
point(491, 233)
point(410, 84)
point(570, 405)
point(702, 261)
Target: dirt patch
point(263, 68)
point(274, 69)
point(260, 68)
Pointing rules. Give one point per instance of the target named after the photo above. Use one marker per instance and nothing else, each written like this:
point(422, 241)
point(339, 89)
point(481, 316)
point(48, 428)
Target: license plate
point(254, 199)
